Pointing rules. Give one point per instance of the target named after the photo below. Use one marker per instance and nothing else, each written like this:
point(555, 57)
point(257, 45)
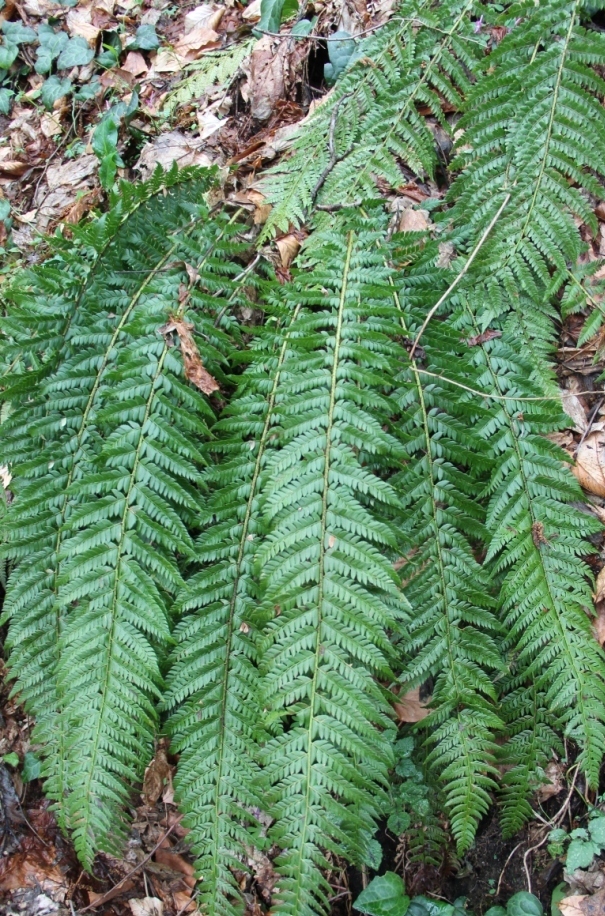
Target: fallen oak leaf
point(194, 367)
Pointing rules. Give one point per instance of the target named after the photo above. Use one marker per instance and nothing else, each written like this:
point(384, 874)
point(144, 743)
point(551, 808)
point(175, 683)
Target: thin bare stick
point(334, 159)
point(111, 893)
point(464, 270)
point(505, 865)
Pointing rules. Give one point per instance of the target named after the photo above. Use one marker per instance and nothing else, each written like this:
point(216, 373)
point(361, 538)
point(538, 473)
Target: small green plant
point(385, 896)
point(584, 842)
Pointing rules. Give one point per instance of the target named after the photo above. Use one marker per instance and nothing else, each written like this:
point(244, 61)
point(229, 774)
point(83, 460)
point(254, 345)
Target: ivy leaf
point(580, 854)
point(11, 760)
point(51, 45)
point(18, 34)
point(5, 100)
point(384, 896)
point(76, 53)
point(340, 51)
point(31, 767)
point(270, 16)
point(146, 39)
point(54, 88)
point(596, 828)
point(105, 146)
point(8, 54)
point(88, 91)
point(304, 27)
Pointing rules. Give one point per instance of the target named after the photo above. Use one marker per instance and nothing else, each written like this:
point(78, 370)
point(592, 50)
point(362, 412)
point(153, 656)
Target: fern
point(216, 728)
point(331, 592)
point(453, 633)
point(79, 480)
point(421, 57)
point(213, 71)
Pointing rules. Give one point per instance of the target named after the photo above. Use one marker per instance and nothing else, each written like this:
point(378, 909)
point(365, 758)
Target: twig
point(284, 35)
point(111, 893)
point(505, 864)
point(464, 270)
point(332, 208)
point(590, 420)
point(504, 397)
point(553, 823)
point(334, 158)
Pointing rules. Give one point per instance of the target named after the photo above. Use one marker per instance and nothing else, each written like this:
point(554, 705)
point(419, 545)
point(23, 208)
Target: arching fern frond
point(331, 591)
point(453, 632)
point(56, 461)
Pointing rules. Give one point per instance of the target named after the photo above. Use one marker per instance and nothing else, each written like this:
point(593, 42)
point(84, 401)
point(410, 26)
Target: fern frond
point(422, 57)
point(215, 70)
point(533, 131)
point(332, 593)
point(56, 461)
point(537, 541)
point(453, 631)
point(213, 680)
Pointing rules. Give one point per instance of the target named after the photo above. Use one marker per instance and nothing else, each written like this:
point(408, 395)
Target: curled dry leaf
point(590, 464)
point(194, 368)
point(157, 774)
point(409, 707)
point(135, 63)
point(288, 247)
point(554, 773)
point(478, 339)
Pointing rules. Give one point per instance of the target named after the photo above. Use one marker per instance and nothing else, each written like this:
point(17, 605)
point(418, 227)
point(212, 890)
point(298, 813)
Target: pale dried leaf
point(79, 23)
point(135, 63)
point(252, 12)
point(206, 16)
point(599, 622)
point(209, 123)
point(599, 591)
point(50, 125)
point(590, 464)
point(554, 772)
point(288, 249)
point(573, 405)
point(414, 221)
point(5, 476)
point(409, 708)
point(572, 906)
point(146, 906)
point(172, 147)
point(106, 6)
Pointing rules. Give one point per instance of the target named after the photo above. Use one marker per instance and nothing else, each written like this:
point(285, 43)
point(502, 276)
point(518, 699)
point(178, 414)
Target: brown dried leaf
point(175, 862)
point(194, 368)
point(190, 46)
point(206, 16)
point(599, 622)
point(288, 247)
point(590, 464)
point(408, 708)
point(414, 221)
point(482, 338)
point(12, 168)
point(156, 774)
point(135, 63)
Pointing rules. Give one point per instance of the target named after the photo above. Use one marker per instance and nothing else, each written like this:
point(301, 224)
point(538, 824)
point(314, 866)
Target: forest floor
point(103, 85)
